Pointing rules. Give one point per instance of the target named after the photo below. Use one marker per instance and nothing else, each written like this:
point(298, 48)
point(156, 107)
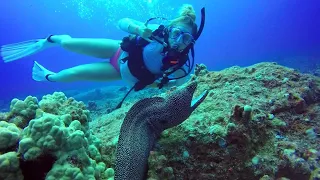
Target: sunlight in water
point(112, 10)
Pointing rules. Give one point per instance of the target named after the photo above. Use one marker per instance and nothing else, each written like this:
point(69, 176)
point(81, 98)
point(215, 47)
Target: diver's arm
point(171, 83)
point(175, 82)
point(180, 73)
point(129, 25)
point(132, 26)
point(178, 82)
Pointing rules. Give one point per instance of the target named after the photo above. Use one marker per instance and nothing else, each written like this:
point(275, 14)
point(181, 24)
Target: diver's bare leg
point(100, 48)
point(101, 71)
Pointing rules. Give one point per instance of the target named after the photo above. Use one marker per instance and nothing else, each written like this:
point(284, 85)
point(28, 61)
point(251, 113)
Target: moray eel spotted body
point(143, 124)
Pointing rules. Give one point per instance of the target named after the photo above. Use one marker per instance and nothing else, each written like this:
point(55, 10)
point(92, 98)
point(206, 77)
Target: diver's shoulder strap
point(139, 70)
point(134, 47)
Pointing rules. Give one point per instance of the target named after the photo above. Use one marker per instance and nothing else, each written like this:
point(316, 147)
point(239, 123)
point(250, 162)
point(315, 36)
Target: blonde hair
point(186, 16)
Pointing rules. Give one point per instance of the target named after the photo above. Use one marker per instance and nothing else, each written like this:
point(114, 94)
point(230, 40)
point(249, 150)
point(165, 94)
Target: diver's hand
point(144, 32)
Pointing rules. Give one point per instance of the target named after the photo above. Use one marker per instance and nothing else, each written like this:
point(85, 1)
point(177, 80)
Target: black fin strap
point(47, 77)
point(49, 39)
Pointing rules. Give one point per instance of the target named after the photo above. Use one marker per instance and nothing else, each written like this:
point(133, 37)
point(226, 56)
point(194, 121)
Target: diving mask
point(177, 34)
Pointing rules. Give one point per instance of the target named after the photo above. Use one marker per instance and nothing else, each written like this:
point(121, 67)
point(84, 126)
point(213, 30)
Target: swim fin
point(40, 73)
point(16, 51)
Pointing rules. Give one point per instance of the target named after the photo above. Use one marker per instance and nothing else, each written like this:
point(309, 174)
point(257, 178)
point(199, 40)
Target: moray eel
point(143, 124)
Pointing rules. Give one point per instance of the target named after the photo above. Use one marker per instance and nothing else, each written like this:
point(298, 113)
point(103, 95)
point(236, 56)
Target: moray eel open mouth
point(144, 123)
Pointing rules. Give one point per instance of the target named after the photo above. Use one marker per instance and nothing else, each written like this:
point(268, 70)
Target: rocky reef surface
point(258, 122)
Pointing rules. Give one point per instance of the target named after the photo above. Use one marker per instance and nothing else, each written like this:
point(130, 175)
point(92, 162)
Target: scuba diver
point(155, 55)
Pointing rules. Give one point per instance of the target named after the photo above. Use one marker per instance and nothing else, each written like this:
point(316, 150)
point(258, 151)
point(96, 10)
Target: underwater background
point(250, 111)
point(236, 33)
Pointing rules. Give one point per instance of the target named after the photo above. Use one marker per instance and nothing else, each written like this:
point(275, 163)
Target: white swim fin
point(12, 52)
point(40, 73)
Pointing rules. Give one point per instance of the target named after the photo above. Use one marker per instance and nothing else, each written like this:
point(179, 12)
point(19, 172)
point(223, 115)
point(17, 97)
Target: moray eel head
point(179, 106)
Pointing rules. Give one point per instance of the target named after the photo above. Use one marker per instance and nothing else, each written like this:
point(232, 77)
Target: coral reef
point(259, 122)
point(56, 143)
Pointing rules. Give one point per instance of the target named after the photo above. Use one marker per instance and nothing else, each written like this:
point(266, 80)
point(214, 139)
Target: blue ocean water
point(237, 32)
